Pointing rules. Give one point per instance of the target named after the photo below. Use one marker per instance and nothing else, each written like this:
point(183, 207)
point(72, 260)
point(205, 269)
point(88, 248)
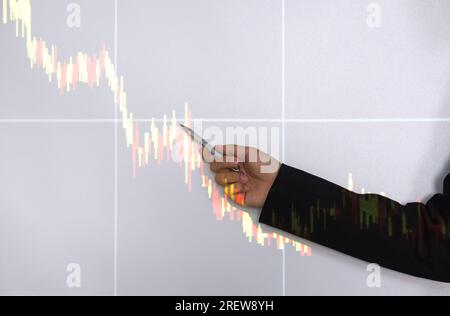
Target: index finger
point(217, 166)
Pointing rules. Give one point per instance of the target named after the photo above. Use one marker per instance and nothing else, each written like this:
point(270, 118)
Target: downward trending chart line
point(157, 144)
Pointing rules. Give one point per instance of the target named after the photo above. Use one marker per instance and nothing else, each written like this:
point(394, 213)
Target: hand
point(250, 186)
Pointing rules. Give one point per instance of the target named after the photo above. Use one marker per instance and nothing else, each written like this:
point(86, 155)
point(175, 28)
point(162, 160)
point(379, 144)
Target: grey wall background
point(225, 57)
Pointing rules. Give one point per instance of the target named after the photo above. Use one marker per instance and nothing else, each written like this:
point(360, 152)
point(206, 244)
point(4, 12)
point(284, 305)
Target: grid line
point(238, 120)
point(116, 155)
point(283, 120)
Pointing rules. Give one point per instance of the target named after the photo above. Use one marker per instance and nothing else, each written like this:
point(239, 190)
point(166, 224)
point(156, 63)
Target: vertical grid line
point(116, 156)
point(283, 118)
point(283, 80)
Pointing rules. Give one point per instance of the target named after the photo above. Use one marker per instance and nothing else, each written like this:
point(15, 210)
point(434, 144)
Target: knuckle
point(220, 178)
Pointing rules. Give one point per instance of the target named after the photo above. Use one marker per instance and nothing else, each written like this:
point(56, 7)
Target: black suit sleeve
point(412, 238)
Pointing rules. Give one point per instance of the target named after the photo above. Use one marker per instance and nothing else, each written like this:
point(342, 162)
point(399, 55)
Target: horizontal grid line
point(230, 120)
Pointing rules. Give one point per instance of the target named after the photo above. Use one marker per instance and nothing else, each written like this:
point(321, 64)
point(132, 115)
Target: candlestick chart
point(153, 145)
